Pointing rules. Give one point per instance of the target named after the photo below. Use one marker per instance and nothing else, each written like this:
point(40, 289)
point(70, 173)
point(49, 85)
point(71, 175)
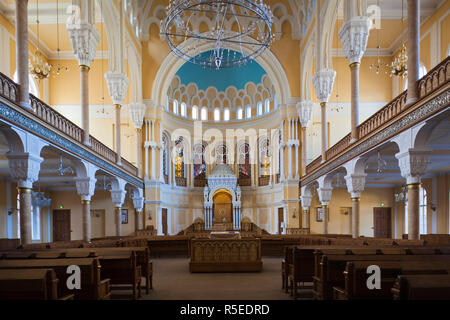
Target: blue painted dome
point(221, 78)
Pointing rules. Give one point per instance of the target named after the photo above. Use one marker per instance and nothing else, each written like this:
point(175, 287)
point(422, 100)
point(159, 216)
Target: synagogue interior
point(276, 148)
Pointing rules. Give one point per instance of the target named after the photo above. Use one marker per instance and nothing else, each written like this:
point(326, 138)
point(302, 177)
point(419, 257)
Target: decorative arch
point(267, 60)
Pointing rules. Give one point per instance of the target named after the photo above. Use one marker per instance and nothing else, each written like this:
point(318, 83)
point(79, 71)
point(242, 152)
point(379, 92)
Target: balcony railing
point(397, 108)
point(10, 90)
point(244, 182)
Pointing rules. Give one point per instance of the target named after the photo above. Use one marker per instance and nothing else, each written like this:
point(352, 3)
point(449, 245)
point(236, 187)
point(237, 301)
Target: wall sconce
point(294, 215)
point(150, 215)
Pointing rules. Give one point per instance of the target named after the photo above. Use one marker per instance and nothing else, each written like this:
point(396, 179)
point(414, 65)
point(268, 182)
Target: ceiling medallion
point(241, 31)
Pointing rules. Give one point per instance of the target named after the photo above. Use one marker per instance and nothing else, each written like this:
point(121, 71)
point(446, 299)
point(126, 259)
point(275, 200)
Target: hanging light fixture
point(63, 170)
point(378, 66)
point(381, 164)
point(38, 67)
point(399, 67)
point(224, 48)
point(59, 67)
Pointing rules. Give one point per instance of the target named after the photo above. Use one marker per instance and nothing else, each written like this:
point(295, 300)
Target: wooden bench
point(285, 267)
point(421, 287)
point(92, 287)
point(332, 268)
point(355, 284)
point(30, 284)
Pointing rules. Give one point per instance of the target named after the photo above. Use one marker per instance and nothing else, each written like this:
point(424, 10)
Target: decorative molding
point(413, 164)
point(117, 86)
point(419, 114)
point(354, 35)
point(304, 110)
point(323, 81)
point(137, 113)
point(24, 167)
point(18, 118)
point(355, 184)
point(85, 187)
point(84, 39)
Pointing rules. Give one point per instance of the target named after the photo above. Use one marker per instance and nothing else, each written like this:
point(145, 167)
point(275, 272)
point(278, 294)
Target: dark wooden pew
point(92, 286)
point(30, 284)
point(332, 268)
point(421, 287)
point(285, 267)
point(355, 283)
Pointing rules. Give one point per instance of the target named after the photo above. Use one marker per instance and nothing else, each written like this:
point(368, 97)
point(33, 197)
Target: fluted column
point(86, 189)
point(413, 165)
point(22, 51)
point(26, 231)
point(289, 145)
point(324, 130)
point(354, 35)
point(413, 50)
point(355, 185)
point(139, 151)
point(117, 86)
point(297, 175)
point(118, 197)
point(304, 110)
point(24, 168)
point(324, 192)
point(84, 39)
point(323, 81)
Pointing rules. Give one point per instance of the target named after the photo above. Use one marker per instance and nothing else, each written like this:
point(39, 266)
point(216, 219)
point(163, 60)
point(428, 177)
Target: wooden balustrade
point(102, 150)
point(263, 181)
point(181, 182)
point(313, 165)
point(8, 89)
point(55, 119)
point(199, 182)
point(129, 167)
point(244, 182)
point(431, 82)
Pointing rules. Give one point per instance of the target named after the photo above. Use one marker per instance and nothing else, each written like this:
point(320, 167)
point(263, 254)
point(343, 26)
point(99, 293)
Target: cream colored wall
point(339, 223)
point(101, 200)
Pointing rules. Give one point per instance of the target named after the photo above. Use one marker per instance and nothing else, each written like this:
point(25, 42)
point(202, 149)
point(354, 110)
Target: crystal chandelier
point(38, 67)
point(399, 67)
point(237, 25)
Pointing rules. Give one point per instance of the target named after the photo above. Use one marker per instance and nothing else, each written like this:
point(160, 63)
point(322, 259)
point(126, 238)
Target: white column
point(118, 193)
point(304, 109)
point(154, 162)
point(297, 176)
point(289, 145)
point(86, 189)
point(22, 51)
point(355, 186)
point(84, 39)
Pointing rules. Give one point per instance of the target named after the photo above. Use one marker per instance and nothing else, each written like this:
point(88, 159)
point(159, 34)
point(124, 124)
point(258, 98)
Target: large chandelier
point(241, 31)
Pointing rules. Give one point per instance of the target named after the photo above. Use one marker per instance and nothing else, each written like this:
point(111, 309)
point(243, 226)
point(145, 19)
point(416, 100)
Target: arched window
point(244, 163)
point(221, 154)
point(226, 114)
point(165, 158)
point(34, 90)
point(199, 164)
point(422, 72)
point(248, 112)
point(204, 114)
point(195, 112)
point(264, 158)
point(183, 109)
point(179, 158)
point(175, 106)
point(260, 109)
point(267, 106)
point(216, 114)
point(422, 212)
point(239, 114)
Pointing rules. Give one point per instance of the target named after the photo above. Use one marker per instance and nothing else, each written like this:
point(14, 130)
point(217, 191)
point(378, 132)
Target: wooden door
point(280, 220)
point(61, 225)
point(382, 222)
point(164, 221)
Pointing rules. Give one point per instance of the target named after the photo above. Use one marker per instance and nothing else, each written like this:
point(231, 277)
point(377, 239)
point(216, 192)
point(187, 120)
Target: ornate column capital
point(118, 197)
point(117, 83)
point(323, 81)
point(355, 184)
point(137, 113)
point(325, 195)
point(138, 203)
point(24, 167)
point(84, 39)
point(85, 187)
point(413, 164)
point(354, 35)
point(304, 109)
point(306, 201)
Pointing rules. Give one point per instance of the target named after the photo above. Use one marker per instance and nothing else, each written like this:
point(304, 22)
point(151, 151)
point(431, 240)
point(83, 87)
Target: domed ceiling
point(223, 78)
